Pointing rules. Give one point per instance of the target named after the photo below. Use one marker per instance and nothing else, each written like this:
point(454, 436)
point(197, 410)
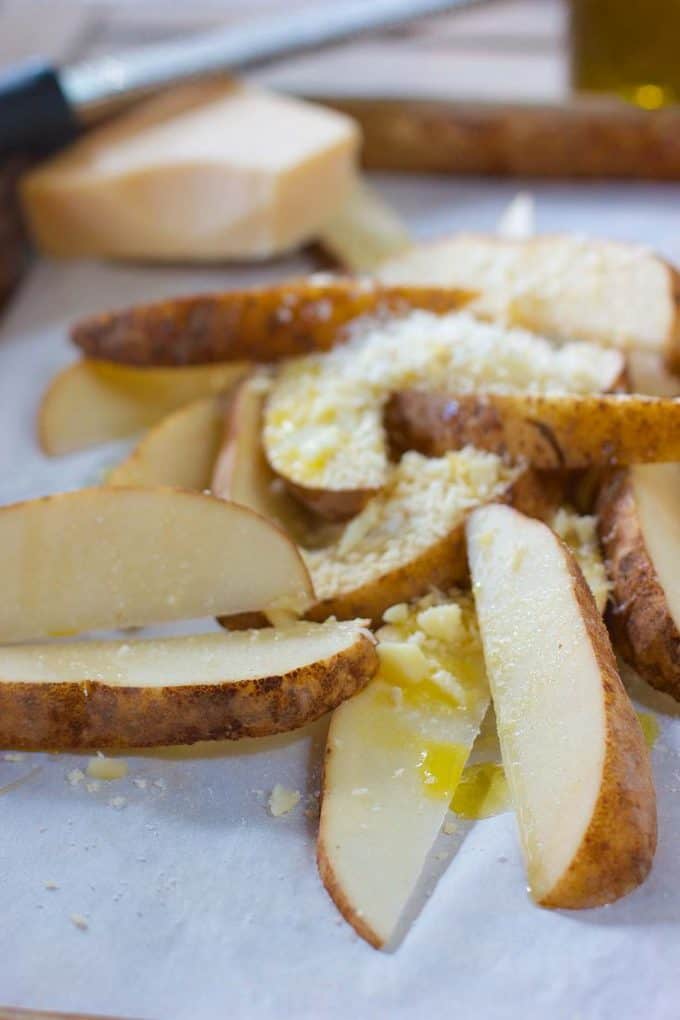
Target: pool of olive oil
point(482, 792)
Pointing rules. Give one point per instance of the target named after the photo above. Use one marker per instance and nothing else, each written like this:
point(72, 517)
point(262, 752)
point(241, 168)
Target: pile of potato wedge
point(403, 506)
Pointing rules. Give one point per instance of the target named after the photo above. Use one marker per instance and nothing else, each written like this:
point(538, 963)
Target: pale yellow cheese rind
point(206, 171)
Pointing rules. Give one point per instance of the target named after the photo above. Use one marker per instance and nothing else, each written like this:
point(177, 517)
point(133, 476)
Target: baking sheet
point(198, 903)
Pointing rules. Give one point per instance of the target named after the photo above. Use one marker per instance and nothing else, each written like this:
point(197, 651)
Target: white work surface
point(201, 905)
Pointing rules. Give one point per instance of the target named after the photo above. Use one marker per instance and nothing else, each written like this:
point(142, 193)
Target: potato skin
point(261, 325)
point(639, 618)
point(90, 714)
point(330, 504)
point(548, 431)
point(617, 850)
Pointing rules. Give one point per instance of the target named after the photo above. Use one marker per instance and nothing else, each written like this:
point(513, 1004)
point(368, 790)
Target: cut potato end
point(640, 533)
point(179, 690)
point(573, 751)
point(107, 558)
point(324, 417)
point(261, 325)
point(179, 451)
point(90, 403)
point(394, 756)
point(549, 431)
point(242, 474)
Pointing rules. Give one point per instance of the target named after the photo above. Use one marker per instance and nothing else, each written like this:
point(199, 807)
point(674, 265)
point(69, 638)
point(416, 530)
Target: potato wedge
point(90, 403)
point(241, 472)
point(105, 558)
point(549, 431)
point(639, 514)
point(262, 325)
point(409, 538)
point(567, 287)
point(573, 750)
point(179, 451)
point(178, 690)
point(394, 756)
point(324, 432)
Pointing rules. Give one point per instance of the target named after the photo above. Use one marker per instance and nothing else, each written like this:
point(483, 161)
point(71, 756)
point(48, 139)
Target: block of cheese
point(567, 287)
point(211, 170)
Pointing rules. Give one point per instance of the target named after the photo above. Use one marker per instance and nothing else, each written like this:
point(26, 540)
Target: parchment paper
point(198, 904)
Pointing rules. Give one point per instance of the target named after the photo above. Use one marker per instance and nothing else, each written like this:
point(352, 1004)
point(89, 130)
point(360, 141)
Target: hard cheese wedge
point(394, 756)
point(206, 171)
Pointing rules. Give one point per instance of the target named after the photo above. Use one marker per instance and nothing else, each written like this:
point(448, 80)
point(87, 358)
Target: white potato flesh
point(179, 451)
point(656, 488)
point(394, 757)
point(94, 402)
point(174, 662)
point(107, 558)
point(545, 682)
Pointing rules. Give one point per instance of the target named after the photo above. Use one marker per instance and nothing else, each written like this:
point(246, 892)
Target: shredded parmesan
point(423, 501)
point(323, 421)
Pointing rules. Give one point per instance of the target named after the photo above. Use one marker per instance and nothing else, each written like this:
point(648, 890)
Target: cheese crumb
point(74, 777)
point(108, 769)
point(140, 783)
point(443, 622)
point(449, 827)
point(118, 803)
point(51, 885)
point(282, 800)
point(396, 614)
point(79, 922)
point(14, 756)
point(402, 663)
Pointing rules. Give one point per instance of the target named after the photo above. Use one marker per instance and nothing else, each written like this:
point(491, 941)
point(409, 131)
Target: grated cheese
point(424, 500)
point(323, 421)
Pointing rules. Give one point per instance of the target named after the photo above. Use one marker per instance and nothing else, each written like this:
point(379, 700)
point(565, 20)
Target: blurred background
point(515, 48)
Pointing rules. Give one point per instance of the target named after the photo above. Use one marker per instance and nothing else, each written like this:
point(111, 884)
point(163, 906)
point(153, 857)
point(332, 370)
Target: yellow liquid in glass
point(628, 47)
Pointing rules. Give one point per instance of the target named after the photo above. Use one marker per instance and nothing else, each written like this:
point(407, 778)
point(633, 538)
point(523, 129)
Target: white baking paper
point(199, 904)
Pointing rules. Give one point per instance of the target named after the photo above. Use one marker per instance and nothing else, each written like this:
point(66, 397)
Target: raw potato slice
point(579, 533)
point(179, 451)
point(261, 324)
point(207, 170)
point(567, 287)
point(323, 424)
point(648, 374)
point(639, 514)
point(241, 472)
point(572, 746)
point(364, 232)
point(90, 403)
point(549, 431)
point(409, 538)
point(106, 558)
point(179, 690)
point(394, 756)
